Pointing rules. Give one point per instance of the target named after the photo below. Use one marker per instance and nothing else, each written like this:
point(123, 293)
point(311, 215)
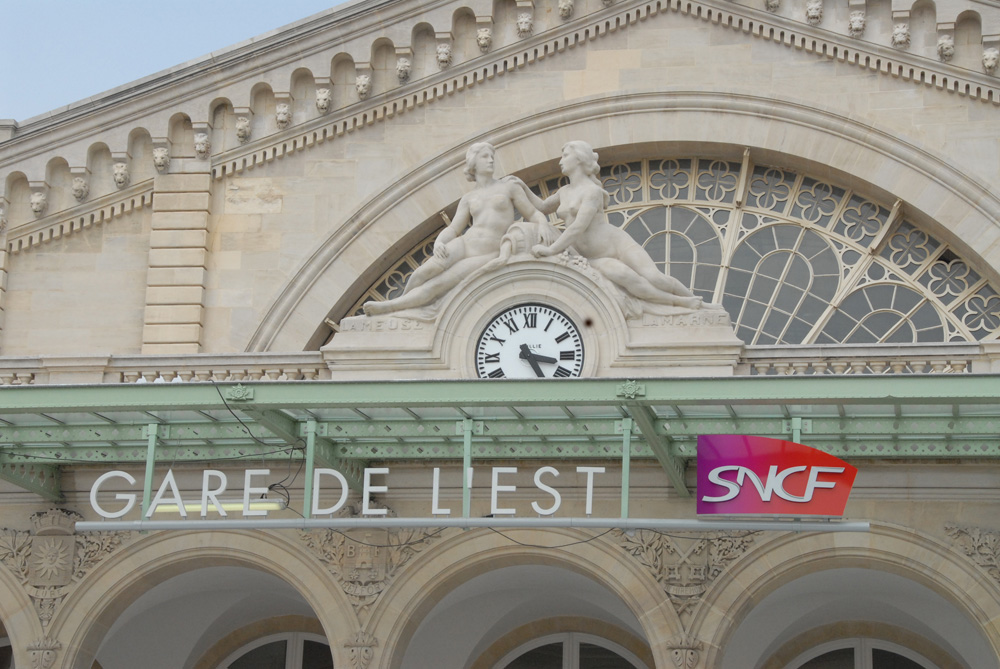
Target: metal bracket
point(672, 465)
point(478, 427)
point(34, 477)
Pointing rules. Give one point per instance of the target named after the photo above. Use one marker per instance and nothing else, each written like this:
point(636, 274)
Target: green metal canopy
point(348, 425)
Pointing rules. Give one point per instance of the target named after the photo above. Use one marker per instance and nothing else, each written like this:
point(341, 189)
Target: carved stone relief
point(80, 188)
point(361, 649)
point(121, 175)
point(3, 221)
point(901, 35)
point(324, 98)
point(685, 651)
point(38, 202)
point(982, 546)
point(525, 24)
point(243, 129)
point(283, 115)
point(50, 560)
point(856, 25)
point(161, 158)
point(43, 653)
point(363, 85)
point(814, 12)
point(565, 9)
point(403, 69)
point(991, 57)
point(946, 48)
point(443, 55)
point(685, 564)
point(772, 5)
point(202, 146)
point(365, 561)
point(484, 38)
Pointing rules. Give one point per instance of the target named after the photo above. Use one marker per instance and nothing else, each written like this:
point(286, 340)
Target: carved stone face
point(772, 5)
point(120, 174)
point(80, 188)
point(403, 69)
point(946, 47)
point(324, 98)
point(991, 58)
point(202, 146)
point(243, 128)
point(363, 85)
point(444, 55)
point(38, 203)
point(484, 38)
point(283, 115)
point(901, 35)
point(161, 158)
point(565, 8)
point(524, 24)
point(857, 24)
point(814, 11)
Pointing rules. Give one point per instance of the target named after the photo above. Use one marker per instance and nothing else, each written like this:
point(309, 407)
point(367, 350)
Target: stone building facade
point(185, 263)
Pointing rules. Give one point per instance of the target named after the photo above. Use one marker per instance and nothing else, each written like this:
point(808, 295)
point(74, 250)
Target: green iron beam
point(40, 478)
point(672, 465)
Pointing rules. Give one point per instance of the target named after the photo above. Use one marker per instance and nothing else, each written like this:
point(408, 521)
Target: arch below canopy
point(949, 203)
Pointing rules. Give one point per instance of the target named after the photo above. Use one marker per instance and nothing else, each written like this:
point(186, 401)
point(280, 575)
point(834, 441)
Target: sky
point(56, 52)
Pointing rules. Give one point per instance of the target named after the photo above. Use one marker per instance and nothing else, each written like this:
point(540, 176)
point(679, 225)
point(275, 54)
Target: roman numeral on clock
point(562, 372)
point(492, 357)
point(567, 355)
point(498, 373)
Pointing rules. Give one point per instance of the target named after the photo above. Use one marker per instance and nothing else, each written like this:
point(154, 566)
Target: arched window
point(860, 654)
point(6, 654)
point(282, 651)
point(571, 650)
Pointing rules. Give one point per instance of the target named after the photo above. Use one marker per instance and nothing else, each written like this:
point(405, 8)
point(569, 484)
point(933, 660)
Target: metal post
point(626, 462)
point(466, 466)
point(152, 435)
point(797, 429)
point(307, 487)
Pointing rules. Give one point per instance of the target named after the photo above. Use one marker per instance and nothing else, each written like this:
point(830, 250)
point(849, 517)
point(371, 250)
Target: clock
point(529, 341)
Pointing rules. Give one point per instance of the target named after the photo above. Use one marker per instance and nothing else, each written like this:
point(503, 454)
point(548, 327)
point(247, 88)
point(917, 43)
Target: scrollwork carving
point(685, 564)
point(982, 546)
point(685, 651)
point(43, 653)
point(361, 649)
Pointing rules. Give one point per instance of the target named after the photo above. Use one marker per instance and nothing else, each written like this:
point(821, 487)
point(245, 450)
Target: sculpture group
point(492, 237)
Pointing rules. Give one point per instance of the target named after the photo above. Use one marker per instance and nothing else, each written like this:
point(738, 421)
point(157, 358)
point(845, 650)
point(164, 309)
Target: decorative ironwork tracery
point(799, 261)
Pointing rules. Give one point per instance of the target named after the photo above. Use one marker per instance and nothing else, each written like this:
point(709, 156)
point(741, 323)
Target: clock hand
point(544, 358)
point(526, 354)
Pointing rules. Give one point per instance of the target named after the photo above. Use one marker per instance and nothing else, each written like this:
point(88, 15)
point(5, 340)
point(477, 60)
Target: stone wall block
point(176, 276)
point(184, 257)
point(165, 239)
point(180, 220)
point(182, 183)
point(172, 334)
point(166, 314)
point(180, 202)
point(191, 295)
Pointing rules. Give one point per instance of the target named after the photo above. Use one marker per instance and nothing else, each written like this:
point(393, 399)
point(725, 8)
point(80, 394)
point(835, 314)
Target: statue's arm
point(524, 206)
point(454, 230)
point(546, 206)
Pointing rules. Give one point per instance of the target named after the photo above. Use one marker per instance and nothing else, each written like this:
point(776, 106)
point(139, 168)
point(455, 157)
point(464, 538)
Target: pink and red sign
point(739, 474)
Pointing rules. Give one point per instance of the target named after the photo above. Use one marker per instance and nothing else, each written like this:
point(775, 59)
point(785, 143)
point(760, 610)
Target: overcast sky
point(56, 52)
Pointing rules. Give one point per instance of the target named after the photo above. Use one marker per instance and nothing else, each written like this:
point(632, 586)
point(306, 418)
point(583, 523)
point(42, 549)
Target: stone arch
point(58, 178)
point(262, 104)
point(140, 151)
point(887, 549)
point(303, 89)
point(222, 133)
point(424, 584)
point(463, 27)
point(100, 166)
point(18, 617)
point(383, 60)
point(344, 76)
point(952, 204)
point(180, 133)
point(88, 613)
point(424, 51)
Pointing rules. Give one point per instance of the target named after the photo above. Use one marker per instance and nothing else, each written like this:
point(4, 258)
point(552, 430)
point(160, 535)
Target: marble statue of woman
point(609, 250)
point(488, 213)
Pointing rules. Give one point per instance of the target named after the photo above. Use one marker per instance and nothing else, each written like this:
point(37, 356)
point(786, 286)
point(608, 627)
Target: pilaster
point(178, 250)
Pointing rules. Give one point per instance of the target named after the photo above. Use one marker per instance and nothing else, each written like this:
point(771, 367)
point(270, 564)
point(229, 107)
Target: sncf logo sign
point(738, 474)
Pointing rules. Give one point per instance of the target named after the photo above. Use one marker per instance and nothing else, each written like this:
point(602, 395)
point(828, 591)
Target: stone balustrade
point(839, 359)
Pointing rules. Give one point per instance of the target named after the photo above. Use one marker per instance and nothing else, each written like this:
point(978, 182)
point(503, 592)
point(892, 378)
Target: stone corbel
point(404, 63)
point(202, 139)
point(525, 18)
point(363, 79)
point(161, 154)
point(484, 32)
point(80, 182)
point(443, 52)
point(324, 94)
point(120, 168)
point(991, 53)
point(39, 199)
point(283, 109)
point(244, 121)
point(900, 29)
point(946, 41)
point(4, 208)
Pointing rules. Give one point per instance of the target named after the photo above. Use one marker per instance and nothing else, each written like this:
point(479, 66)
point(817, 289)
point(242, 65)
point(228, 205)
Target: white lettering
point(556, 497)
point(319, 472)
point(774, 485)
point(814, 481)
point(590, 471)
point(212, 495)
point(128, 498)
point(435, 493)
point(497, 488)
point(715, 476)
point(249, 490)
point(369, 489)
point(168, 482)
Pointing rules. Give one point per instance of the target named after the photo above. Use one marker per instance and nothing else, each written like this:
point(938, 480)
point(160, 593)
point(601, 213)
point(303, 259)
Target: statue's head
point(524, 24)
point(991, 58)
point(473, 154)
point(584, 154)
point(324, 98)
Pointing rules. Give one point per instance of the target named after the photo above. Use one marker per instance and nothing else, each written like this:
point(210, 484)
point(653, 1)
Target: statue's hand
point(511, 179)
point(540, 250)
point(441, 251)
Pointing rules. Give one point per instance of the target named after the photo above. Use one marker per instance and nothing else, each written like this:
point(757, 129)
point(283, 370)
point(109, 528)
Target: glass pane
point(835, 659)
point(544, 657)
point(268, 656)
point(316, 655)
point(6, 657)
point(595, 657)
point(883, 659)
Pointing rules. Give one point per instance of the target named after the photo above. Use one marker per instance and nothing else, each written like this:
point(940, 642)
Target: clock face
point(529, 341)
